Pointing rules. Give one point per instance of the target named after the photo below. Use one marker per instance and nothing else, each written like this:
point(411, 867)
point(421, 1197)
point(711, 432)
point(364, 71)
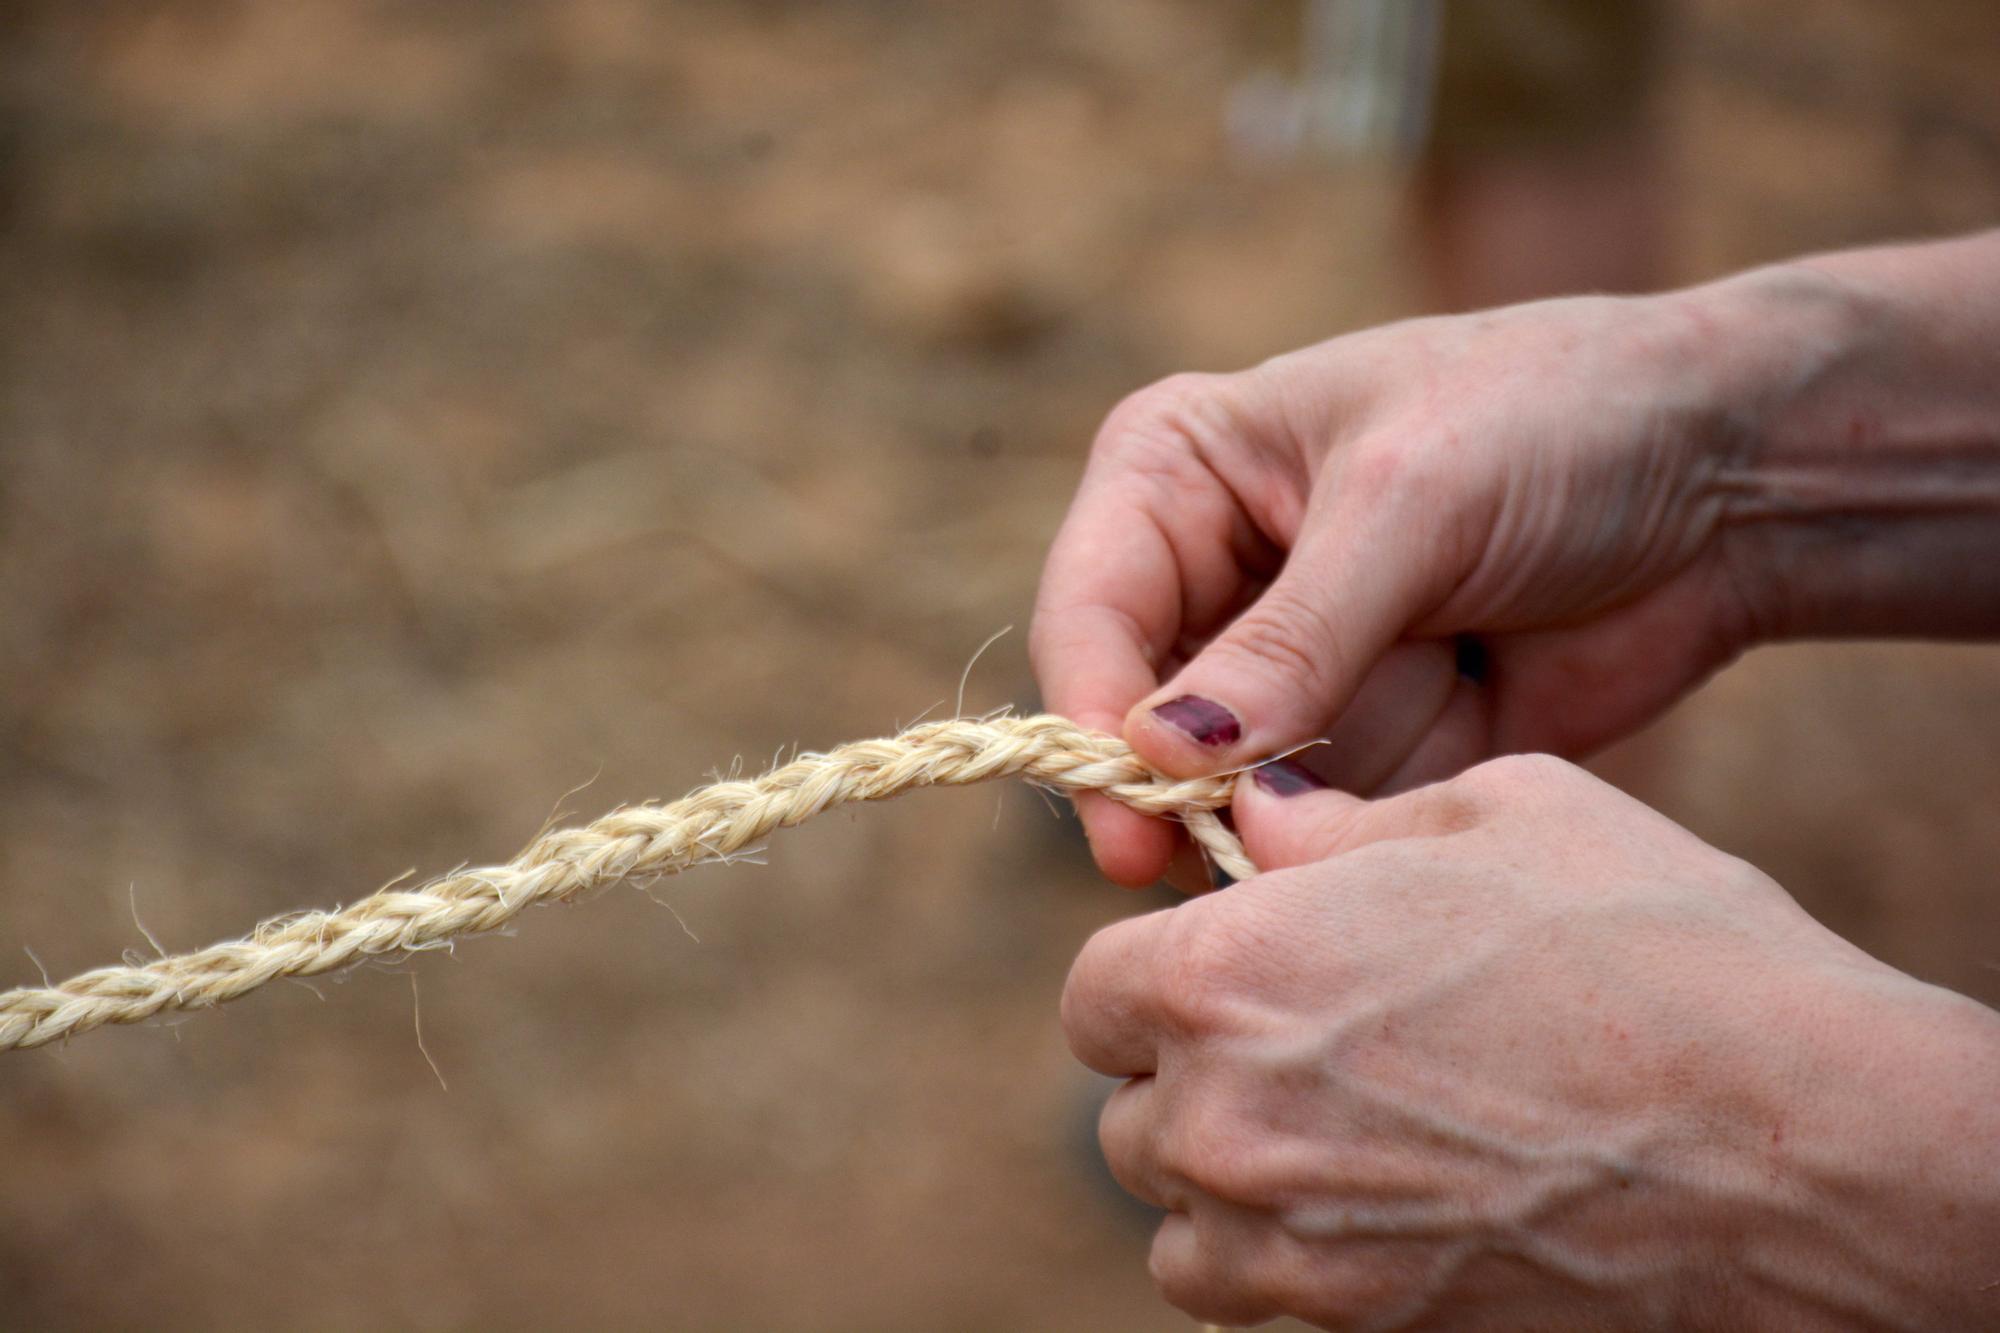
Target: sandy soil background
point(414, 411)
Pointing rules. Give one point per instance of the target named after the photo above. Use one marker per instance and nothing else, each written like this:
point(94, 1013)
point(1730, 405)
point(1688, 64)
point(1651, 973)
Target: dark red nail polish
point(1285, 777)
point(1208, 722)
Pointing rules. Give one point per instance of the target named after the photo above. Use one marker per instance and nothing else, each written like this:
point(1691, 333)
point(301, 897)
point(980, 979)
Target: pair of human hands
point(1507, 1049)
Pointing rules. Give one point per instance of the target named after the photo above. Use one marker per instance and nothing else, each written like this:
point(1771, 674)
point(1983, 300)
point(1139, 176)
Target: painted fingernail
point(1204, 720)
point(1285, 777)
point(1470, 655)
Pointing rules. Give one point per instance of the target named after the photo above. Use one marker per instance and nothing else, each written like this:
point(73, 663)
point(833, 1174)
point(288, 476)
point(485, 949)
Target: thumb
point(1288, 666)
point(1286, 816)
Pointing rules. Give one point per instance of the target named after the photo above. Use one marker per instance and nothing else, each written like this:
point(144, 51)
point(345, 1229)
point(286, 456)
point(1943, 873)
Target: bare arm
point(1528, 529)
point(1871, 503)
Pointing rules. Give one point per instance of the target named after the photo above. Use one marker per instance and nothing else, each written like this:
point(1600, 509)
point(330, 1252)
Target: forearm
point(1861, 495)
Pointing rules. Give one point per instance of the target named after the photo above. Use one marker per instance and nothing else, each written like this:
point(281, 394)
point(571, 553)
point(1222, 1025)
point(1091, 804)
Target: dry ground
point(412, 411)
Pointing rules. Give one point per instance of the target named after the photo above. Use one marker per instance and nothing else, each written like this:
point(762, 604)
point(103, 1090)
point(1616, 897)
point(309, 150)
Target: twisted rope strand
point(651, 839)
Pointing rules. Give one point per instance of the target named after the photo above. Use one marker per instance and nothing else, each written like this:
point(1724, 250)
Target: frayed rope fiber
point(710, 823)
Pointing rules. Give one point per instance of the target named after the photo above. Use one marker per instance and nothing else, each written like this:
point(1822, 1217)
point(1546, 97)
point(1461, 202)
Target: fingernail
point(1204, 720)
point(1285, 777)
point(1470, 655)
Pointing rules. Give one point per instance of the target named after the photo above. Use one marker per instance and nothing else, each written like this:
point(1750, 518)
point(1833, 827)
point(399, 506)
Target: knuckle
point(1082, 990)
point(1202, 1288)
point(1128, 1155)
point(1412, 481)
point(1068, 1009)
point(1388, 467)
point(1493, 789)
point(1181, 1280)
point(1224, 1157)
point(1449, 807)
point(1511, 779)
point(1118, 1138)
point(1287, 636)
point(1166, 400)
point(1201, 993)
point(1159, 427)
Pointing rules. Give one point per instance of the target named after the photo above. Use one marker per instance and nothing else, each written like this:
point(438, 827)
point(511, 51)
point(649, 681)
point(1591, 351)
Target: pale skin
point(1497, 1046)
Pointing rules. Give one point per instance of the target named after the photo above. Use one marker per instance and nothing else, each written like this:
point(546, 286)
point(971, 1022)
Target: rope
point(710, 823)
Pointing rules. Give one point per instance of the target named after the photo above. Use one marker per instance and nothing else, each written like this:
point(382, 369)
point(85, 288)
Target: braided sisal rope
point(708, 823)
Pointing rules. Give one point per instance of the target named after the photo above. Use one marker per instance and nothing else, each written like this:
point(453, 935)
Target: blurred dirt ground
point(413, 411)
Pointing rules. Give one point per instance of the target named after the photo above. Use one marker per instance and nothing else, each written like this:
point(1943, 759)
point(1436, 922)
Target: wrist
point(1856, 476)
point(1879, 1185)
point(1839, 1167)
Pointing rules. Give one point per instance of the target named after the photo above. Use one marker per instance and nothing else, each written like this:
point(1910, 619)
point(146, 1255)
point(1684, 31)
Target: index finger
point(1094, 663)
point(1116, 594)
